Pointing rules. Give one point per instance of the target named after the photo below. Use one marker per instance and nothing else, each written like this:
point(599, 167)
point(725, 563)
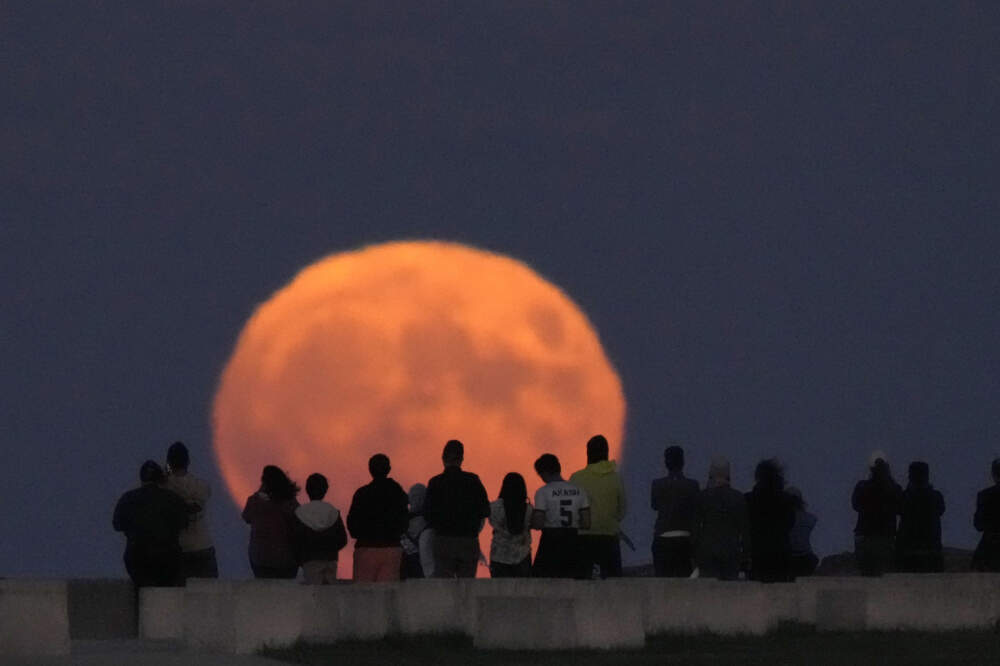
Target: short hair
point(151, 472)
point(316, 486)
point(378, 466)
point(547, 464)
point(770, 475)
point(673, 458)
point(597, 449)
point(920, 473)
point(454, 450)
point(178, 456)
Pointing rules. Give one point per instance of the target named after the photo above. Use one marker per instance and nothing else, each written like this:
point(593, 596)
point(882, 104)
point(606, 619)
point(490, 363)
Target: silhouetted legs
point(377, 564)
point(874, 554)
point(602, 551)
point(455, 557)
point(199, 564)
point(672, 557)
point(520, 570)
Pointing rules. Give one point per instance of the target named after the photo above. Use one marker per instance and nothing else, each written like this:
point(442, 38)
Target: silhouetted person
point(456, 509)
point(918, 543)
point(987, 521)
point(198, 552)
point(802, 560)
point(878, 501)
point(510, 517)
point(721, 526)
point(151, 518)
point(772, 515)
point(378, 516)
point(319, 534)
point(675, 499)
point(561, 510)
point(270, 513)
point(602, 482)
point(418, 539)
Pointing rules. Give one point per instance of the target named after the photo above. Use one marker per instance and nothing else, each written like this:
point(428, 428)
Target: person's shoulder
point(578, 476)
point(691, 484)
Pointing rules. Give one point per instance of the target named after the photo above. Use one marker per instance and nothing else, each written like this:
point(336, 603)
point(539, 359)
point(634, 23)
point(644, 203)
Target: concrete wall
point(34, 618)
point(102, 609)
point(161, 613)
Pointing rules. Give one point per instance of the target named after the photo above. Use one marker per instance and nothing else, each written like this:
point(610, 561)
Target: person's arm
point(652, 496)
point(250, 509)
point(979, 520)
point(425, 546)
point(585, 518)
point(339, 534)
point(537, 519)
point(119, 520)
point(355, 521)
point(940, 503)
point(856, 497)
point(482, 501)
point(402, 512)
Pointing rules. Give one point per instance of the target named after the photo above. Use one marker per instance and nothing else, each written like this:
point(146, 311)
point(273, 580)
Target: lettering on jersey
point(565, 492)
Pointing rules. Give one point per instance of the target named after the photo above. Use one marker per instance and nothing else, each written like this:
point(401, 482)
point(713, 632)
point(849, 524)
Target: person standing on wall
point(510, 517)
point(675, 500)
point(721, 527)
point(918, 545)
point(319, 534)
point(600, 544)
point(456, 508)
point(987, 521)
point(378, 516)
point(270, 512)
point(151, 518)
point(877, 500)
point(198, 552)
point(561, 510)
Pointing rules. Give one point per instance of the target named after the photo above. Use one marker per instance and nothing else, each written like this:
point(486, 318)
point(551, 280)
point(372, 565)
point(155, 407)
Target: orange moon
point(398, 347)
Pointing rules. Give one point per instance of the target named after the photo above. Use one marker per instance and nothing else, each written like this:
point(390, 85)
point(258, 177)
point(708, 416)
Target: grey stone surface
point(102, 609)
point(358, 611)
point(841, 609)
point(161, 613)
point(522, 623)
point(34, 619)
point(240, 617)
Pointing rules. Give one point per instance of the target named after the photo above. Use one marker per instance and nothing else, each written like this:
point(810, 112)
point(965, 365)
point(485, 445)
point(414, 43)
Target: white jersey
point(561, 501)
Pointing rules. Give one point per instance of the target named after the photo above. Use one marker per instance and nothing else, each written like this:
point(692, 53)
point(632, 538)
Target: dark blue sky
point(782, 220)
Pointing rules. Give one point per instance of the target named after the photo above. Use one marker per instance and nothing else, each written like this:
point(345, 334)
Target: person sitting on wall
point(561, 510)
point(151, 518)
point(319, 534)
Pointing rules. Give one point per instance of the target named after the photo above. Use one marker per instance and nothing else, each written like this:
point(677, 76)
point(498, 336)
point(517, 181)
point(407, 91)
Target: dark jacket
point(319, 532)
point(877, 505)
point(772, 515)
point(920, 520)
point(456, 503)
point(987, 521)
point(271, 527)
point(722, 526)
point(379, 514)
point(675, 500)
point(151, 518)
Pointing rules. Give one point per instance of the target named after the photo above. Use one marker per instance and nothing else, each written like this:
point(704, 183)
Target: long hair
point(514, 494)
point(277, 485)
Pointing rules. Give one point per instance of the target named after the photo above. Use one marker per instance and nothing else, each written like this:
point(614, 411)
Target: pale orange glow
point(397, 348)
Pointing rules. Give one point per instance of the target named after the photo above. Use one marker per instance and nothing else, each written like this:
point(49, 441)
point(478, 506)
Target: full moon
point(397, 348)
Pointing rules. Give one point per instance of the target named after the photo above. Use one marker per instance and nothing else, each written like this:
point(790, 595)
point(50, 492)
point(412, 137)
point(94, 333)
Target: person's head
point(995, 468)
point(453, 454)
point(416, 495)
point(919, 474)
point(548, 468)
point(316, 487)
point(796, 495)
point(597, 449)
point(673, 458)
point(878, 464)
point(150, 473)
point(177, 457)
point(769, 475)
point(718, 472)
point(276, 483)
point(514, 495)
point(378, 466)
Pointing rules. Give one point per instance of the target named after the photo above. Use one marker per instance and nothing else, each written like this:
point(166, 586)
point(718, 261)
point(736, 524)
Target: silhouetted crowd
point(433, 530)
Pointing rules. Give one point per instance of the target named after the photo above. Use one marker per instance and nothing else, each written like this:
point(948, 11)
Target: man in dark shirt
point(456, 507)
point(918, 544)
point(378, 516)
point(151, 518)
point(675, 500)
point(987, 521)
point(722, 526)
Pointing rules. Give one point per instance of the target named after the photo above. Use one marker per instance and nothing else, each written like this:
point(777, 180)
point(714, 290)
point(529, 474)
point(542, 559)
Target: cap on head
point(673, 458)
point(316, 486)
point(178, 456)
point(454, 452)
point(547, 465)
point(378, 466)
point(597, 449)
point(151, 472)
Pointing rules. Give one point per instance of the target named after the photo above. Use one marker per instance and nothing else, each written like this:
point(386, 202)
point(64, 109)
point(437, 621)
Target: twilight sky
point(782, 221)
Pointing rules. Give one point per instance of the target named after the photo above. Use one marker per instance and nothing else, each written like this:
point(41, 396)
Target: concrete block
point(102, 609)
point(521, 623)
point(349, 611)
point(809, 587)
point(161, 613)
point(34, 618)
point(682, 605)
point(841, 609)
point(241, 617)
point(609, 615)
point(934, 602)
point(430, 606)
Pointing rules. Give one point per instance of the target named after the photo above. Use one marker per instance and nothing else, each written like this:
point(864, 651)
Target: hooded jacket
point(319, 532)
point(603, 484)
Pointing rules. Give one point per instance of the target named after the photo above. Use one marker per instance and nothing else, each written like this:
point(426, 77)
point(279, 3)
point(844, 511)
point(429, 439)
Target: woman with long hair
point(772, 515)
point(270, 513)
point(510, 517)
point(878, 501)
